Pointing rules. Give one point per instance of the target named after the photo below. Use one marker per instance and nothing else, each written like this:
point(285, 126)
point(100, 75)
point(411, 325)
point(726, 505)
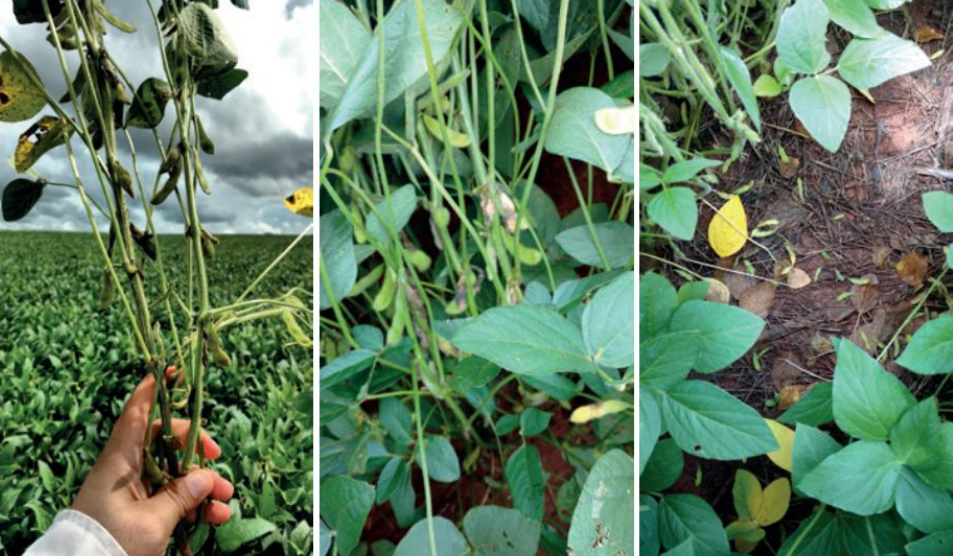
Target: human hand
point(115, 496)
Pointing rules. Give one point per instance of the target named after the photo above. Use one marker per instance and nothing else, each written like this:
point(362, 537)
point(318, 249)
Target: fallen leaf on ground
point(785, 371)
point(927, 33)
point(758, 299)
point(728, 230)
point(798, 279)
point(789, 169)
point(717, 291)
point(790, 395)
point(866, 295)
point(869, 335)
point(913, 269)
point(881, 256)
point(738, 283)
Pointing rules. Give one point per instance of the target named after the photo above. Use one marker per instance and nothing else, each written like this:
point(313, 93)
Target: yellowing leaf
point(744, 529)
point(20, 99)
point(48, 132)
point(457, 139)
point(785, 437)
point(728, 230)
point(774, 503)
point(598, 410)
point(616, 121)
point(746, 494)
point(301, 202)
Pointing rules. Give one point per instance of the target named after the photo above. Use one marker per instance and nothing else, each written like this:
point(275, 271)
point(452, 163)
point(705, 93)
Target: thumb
point(176, 499)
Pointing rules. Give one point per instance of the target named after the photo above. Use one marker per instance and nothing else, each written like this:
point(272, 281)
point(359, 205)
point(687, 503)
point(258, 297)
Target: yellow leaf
point(728, 230)
point(301, 202)
point(746, 494)
point(774, 503)
point(598, 410)
point(616, 121)
point(785, 437)
point(20, 99)
point(48, 132)
point(457, 139)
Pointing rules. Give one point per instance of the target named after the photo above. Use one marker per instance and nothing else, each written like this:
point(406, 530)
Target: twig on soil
point(935, 172)
point(805, 371)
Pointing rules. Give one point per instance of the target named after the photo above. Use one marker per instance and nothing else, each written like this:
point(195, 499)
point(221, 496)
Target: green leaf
point(21, 99)
point(921, 505)
point(687, 517)
point(46, 475)
point(392, 214)
point(346, 366)
point(663, 468)
point(708, 422)
point(861, 478)
point(237, 532)
point(802, 37)
point(725, 333)
point(868, 401)
point(449, 540)
point(816, 408)
point(345, 505)
point(207, 40)
point(573, 132)
point(876, 534)
point(617, 240)
point(404, 59)
point(686, 548)
point(935, 544)
point(767, 86)
point(811, 447)
point(534, 421)
point(886, 4)
point(657, 303)
point(396, 420)
point(938, 206)
point(394, 474)
point(443, 465)
point(867, 63)
point(343, 41)
point(526, 339)
point(148, 106)
point(649, 542)
point(653, 59)
point(918, 441)
point(930, 352)
point(740, 79)
point(606, 509)
point(817, 535)
point(337, 257)
point(325, 538)
point(473, 372)
point(675, 210)
point(524, 473)
point(608, 323)
point(497, 531)
point(855, 17)
point(650, 425)
point(217, 86)
point(19, 198)
point(686, 170)
point(822, 103)
point(667, 359)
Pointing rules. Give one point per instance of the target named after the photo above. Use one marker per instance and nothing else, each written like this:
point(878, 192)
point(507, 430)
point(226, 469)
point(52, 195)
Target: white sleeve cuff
point(75, 534)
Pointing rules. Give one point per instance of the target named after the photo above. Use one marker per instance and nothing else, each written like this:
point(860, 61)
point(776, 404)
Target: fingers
point(217, 513)
point(128, 435)
point(178, 498)
point(180, 429)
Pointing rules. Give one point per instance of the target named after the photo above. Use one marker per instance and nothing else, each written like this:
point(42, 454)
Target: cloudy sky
point(262, 131)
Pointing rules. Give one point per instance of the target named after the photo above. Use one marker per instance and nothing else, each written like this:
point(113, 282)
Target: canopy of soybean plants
point(150, 161)
point(477, 278)
point(796, 277)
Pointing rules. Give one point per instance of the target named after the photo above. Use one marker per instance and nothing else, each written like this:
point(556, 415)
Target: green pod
point(385, 296)
point(367, 281)
point(109, 291)
point(122, 178)
point(527, 255)
point(420, 260)
point(218, 354)
point(441, 216)
point(360, 235)
point(170, 184)
point(399, 322)
point(200, 174)
point(205, 143)
point(208, 244)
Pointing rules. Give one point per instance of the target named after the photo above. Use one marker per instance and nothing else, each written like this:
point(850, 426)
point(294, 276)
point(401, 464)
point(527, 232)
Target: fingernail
point(199, 483)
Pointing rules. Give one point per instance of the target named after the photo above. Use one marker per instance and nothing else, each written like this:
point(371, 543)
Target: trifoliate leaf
point(774, 503)
point(728, 230)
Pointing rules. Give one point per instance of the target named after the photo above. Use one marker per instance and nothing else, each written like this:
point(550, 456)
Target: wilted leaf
point(301, 202)
point(865, 295)
point(758, 299)
point(927, 33)
point(913, 269)
point(881, 256)
point(798, 279)
point(47, 133)
point(728, 230)
point(738, 283)
point(789, 169)
point(717, 291)
point(782, 458)
point(790, 395)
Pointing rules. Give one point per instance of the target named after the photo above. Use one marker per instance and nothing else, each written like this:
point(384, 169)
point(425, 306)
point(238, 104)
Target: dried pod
point(145, 240)
point(208, 244)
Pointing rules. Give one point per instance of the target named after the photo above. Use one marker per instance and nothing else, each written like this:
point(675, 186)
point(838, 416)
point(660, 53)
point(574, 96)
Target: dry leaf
point(301, 202)
point(913, 269)
point(785, 371)
point(799, 128)
point(728, 230)
point(881, 256)
point(789, 169)
point(798, 279)
point(790, 395)
point(866, 295)
point(738, 283)
point(717, 291)
point(758, 299)
point(877, 330)
point(927, 33)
